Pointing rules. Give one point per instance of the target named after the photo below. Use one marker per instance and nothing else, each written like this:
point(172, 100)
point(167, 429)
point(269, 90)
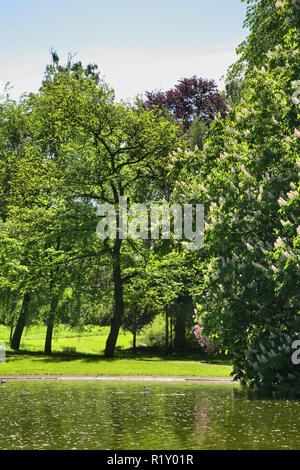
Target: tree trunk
point(118, 303)
point(167, 334)
point(171, 332)
point(179, 340)
point(53, 306)
point(134, 341)
point(50, 325)
point(48, 341)
point(16, 338)
point(11, 331)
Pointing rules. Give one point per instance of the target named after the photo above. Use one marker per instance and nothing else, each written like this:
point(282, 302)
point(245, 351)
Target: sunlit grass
point(58, 365)
point(90, 340)
point(81, 353)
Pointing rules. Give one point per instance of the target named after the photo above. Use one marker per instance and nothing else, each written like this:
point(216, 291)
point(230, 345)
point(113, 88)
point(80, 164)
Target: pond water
point(122, 415)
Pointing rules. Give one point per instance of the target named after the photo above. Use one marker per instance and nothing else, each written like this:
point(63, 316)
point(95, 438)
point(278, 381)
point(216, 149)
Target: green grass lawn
point(87, 358)
point(90, 340)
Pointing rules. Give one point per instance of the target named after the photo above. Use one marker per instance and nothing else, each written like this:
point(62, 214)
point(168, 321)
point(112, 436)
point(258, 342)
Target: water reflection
point(122, 415)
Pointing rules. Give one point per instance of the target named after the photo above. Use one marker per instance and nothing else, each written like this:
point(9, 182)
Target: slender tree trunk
point(50, 325)
point(49, 333)
point(118, 303)
point(16, 338)
point(134, 341)
point(171, 332)
point(11, 331)
point(179, 329)
point(167, 333)
point(53, 306)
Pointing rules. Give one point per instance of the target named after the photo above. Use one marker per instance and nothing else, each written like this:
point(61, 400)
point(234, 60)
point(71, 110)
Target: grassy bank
point(57, 365)
point(81, 353)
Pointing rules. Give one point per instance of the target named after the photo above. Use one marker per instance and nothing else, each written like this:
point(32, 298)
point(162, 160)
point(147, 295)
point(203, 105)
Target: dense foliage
point(190, 98)
point(71, 147)
point(250, 177)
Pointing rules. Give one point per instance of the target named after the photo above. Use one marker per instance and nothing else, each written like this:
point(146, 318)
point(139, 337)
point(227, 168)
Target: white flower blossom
point(281, 201)
point(291, 194)
point(284, 222)
point(262, 348)
point(297, 133)
point(278, 242)
point(272, 354)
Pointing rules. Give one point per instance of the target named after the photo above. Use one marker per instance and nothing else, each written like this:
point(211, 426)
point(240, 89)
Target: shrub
point(69, 350)
point(269, 369)
point(153, 335)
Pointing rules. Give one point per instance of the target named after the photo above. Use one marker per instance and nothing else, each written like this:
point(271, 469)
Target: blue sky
point(138, 45)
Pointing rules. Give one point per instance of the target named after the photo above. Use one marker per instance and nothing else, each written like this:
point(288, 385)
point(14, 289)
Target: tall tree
point(249, 176)
point(104, 151)
point(189, 99)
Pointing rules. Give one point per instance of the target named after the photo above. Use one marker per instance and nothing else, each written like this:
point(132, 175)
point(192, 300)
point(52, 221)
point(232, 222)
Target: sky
point(138, 45)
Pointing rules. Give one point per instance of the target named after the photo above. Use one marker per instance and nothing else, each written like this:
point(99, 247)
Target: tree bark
point(171, 331)
point(16, 338)
point(53, 306)
point(50, 326)
point(118, 302)
point(179, 340)
point(167, 333)
point(134, 342)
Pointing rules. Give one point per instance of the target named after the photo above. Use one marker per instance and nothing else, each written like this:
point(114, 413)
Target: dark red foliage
point(190, 98)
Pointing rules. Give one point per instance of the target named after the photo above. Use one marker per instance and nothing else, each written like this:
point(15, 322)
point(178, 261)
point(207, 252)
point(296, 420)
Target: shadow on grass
point(140, 354)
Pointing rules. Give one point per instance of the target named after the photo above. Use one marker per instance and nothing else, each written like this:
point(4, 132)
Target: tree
point(268, 22)
point(249, 175)
point(103, 151)
point(233, 92)
point(13, 140)
point(190, 98)
point(197, 133)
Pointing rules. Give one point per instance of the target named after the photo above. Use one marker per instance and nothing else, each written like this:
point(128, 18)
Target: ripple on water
point(114, 415)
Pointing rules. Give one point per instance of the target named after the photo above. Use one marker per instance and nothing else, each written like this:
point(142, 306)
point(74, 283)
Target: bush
point(269, 369)
point(69, 350)
point(153, 335)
